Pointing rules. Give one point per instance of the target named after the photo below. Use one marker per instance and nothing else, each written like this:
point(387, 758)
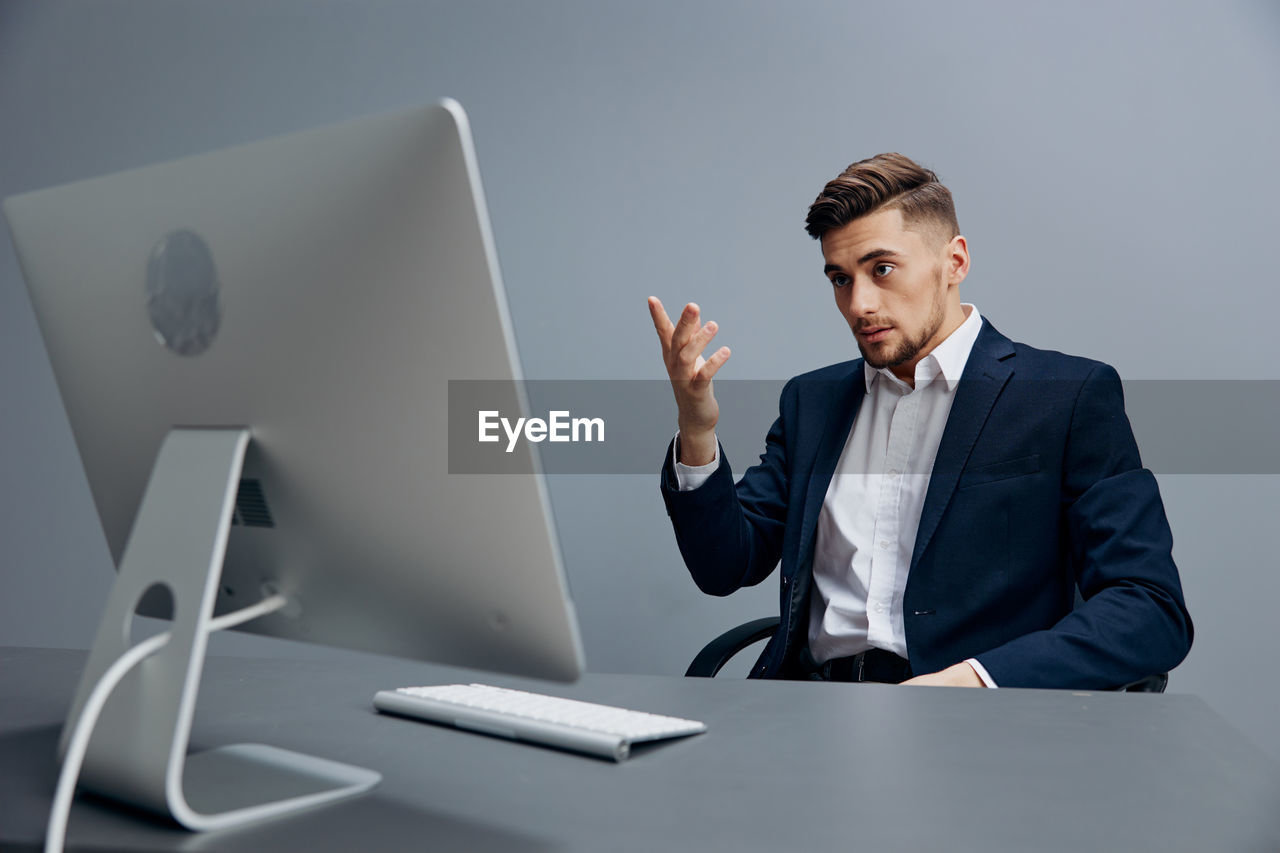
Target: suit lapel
point(835, 433)
point(985, 375)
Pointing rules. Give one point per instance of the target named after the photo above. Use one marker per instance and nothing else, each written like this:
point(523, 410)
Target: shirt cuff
point(690, 477)
point(987, 680)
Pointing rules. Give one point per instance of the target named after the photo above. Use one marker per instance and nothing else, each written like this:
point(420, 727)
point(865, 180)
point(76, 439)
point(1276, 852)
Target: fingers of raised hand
point(711, 365)
point(683, 343)
point(686, 327)
point(697, 342)
point(661, 322)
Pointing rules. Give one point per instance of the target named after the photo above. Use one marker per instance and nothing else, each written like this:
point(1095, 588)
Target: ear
point(957, 260)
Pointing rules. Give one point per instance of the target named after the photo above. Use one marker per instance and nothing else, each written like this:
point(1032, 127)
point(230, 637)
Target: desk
point(785, 766)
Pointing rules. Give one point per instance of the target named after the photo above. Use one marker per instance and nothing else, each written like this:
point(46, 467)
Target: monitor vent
point(251, 506)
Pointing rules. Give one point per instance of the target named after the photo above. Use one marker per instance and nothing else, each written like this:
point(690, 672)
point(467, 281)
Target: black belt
point(872, 665)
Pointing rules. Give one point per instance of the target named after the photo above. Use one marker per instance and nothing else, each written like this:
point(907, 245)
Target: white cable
point(270, 604)
point(78, 744)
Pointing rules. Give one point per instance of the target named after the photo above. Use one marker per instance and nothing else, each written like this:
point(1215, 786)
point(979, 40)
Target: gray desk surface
point(785, 766)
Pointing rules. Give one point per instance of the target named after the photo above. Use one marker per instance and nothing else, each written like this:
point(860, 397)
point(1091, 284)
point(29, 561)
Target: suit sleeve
point(1133, 621)
point(730, 536)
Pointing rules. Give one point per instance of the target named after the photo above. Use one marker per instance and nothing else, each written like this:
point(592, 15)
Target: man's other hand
point(690, 375)
point(956, 675)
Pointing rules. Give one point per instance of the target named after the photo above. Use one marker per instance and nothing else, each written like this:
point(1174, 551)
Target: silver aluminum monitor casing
point(356, 276)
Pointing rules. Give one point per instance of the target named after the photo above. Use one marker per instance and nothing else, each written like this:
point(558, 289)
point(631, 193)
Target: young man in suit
point(937, 503)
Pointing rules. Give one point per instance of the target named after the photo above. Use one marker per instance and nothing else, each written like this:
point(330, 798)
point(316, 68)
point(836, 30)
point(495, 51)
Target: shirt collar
point(947, 358)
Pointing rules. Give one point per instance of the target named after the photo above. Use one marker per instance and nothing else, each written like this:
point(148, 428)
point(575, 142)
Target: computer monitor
point(254, 348)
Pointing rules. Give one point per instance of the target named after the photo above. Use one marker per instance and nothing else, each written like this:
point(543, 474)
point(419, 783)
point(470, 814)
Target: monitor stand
point(138, 751)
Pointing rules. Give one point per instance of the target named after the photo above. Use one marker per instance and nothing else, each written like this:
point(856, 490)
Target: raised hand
point(690, 374)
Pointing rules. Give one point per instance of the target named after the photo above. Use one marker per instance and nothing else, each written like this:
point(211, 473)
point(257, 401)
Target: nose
point(862, 298)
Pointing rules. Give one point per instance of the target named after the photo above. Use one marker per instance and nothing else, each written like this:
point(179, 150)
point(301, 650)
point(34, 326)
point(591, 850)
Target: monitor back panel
point(355, 277)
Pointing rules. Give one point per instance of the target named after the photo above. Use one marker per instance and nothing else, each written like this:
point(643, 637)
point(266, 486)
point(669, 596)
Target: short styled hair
point(885, 182)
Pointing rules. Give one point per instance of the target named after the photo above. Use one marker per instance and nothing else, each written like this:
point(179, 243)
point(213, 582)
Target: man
point(937, 503)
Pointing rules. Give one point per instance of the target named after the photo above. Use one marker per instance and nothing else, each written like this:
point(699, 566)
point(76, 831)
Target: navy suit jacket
point(1037, 492)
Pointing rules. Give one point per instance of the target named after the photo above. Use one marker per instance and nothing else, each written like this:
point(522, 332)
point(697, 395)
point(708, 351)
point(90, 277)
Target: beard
point(910, 345)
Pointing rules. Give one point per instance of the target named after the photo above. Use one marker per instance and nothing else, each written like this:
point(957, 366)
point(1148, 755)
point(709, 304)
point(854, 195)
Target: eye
point(840, 280)
point(882, 270)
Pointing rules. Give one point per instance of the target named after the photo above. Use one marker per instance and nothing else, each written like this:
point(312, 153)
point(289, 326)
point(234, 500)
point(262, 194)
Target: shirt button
point(880, 608)
point(893, 472)
point(884, 544)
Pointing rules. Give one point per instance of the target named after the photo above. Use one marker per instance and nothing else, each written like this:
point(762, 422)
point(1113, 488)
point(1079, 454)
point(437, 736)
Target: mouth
point(874, 334)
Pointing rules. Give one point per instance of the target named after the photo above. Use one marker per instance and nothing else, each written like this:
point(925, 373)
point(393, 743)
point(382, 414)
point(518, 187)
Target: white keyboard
point(599, 730)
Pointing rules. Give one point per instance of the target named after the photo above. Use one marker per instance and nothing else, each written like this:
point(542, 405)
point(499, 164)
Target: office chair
point(717, 653)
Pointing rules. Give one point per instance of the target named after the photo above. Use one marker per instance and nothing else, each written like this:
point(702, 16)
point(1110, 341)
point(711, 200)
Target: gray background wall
point(1113, 165)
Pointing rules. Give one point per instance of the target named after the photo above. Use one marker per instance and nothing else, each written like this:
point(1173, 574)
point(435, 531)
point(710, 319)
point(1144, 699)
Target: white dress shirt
point(867, 527)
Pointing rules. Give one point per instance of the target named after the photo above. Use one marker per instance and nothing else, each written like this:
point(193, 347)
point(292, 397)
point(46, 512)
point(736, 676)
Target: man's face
point(894, 287)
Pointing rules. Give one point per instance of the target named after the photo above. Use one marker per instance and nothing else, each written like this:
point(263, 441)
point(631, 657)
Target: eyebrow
point(874, 254)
